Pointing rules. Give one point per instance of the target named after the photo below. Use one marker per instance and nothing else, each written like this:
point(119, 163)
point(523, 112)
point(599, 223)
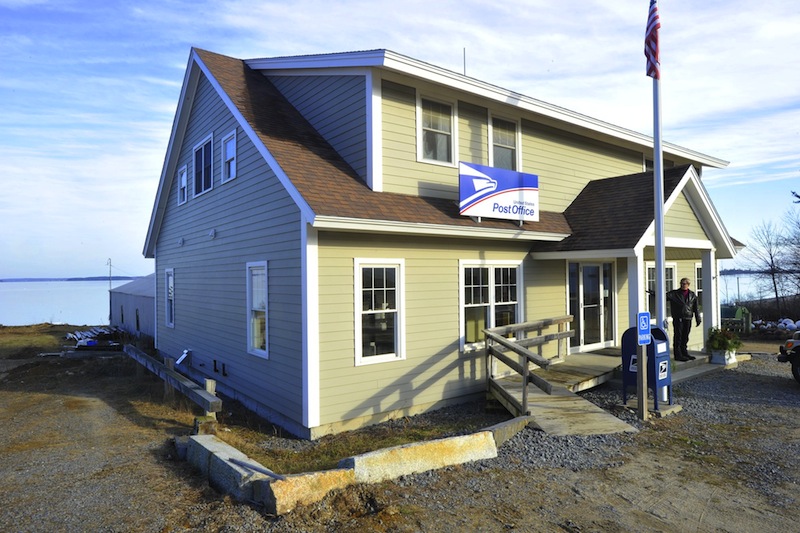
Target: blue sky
point(88, 91)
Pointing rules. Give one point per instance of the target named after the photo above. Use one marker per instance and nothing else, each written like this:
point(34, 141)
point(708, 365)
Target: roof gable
point(618, 213)
point(320, 182)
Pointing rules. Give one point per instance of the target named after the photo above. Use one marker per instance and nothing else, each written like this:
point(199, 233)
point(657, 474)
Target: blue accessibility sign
point(643, 321)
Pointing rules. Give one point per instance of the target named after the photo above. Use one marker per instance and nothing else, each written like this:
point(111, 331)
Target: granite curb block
point(211, 456)
point(413, 458)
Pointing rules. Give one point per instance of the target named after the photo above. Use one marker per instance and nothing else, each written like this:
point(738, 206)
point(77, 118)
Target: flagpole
point(658, 202)
point(651, 51)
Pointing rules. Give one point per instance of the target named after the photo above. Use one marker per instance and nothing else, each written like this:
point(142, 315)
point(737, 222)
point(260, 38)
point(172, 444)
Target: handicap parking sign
point(643, 321)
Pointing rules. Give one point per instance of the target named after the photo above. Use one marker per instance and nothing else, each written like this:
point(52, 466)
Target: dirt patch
point(87, 447)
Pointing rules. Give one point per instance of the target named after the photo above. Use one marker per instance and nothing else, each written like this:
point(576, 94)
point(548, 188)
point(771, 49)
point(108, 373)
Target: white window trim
point(675, 280)
point(400, 354)
point(453, 132)
point(517, 140)
point(462, 264)
point(183, 184)
point(226, 179)
point(169, 272)
point(210, 140)
point(696, 284)
point(254, 351)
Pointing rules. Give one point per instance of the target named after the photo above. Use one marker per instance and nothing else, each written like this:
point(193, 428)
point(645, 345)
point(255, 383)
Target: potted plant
point(723, 343)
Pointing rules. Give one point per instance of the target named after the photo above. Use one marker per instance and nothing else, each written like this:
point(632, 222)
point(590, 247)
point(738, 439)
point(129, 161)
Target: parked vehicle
point(790, 353)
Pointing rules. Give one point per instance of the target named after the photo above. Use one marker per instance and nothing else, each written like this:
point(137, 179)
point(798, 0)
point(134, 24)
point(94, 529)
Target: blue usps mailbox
point(659, 374)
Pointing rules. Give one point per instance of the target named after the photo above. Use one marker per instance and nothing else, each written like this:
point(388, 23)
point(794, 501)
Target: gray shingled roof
point(613, 213)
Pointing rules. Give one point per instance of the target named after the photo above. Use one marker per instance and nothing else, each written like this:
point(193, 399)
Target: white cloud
point(88, 91)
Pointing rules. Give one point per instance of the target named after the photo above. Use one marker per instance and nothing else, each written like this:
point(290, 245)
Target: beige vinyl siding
point(254, 220)
point(434, 369)
point(473, 138)
point(546, 295)
point(565, 163)
point(402, 173)
point(681, 221)
point(623, 306)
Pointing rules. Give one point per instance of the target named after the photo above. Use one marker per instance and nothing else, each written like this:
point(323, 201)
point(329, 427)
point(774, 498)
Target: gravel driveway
point(78, 454)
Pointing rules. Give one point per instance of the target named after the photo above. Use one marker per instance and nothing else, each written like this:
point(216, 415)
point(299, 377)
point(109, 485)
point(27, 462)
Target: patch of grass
point(142, 400)
point(23, 342)
point(254, 436)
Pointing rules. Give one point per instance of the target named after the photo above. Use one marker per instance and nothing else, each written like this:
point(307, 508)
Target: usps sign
point(497, 193)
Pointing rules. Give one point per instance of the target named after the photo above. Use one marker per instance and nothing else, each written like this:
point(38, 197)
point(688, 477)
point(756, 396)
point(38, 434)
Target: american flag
point(651, 42)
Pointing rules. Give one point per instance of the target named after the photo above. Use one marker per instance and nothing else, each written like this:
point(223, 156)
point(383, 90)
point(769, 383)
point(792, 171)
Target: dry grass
point(284, 454)
point(141, 398)
point(23, 342)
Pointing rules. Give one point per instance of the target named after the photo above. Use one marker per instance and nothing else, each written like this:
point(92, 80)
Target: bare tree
point(768, 257)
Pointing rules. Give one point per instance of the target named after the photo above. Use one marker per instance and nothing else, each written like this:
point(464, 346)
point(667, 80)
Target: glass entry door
point(591, 308)
point(591, 303)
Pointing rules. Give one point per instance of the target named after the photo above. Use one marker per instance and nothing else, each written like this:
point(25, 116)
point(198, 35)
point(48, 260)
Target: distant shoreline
point(91, 278)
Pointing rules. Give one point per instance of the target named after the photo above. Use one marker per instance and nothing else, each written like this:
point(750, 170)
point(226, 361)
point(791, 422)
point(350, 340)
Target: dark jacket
point(683, 308)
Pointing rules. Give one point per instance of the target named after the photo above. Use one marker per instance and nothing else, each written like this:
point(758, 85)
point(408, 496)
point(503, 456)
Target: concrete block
point(205, 425)
point(211, 456)
point(504, 431)
point(282, 496)
point(181, 447)
point(390, 463)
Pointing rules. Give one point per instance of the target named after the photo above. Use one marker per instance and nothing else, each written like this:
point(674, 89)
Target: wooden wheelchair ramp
point(563, 412)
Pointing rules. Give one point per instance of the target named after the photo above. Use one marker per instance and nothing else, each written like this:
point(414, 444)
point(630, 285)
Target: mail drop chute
point(497, 193)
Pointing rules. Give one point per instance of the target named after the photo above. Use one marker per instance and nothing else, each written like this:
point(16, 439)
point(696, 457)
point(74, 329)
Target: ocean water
point(59, 302)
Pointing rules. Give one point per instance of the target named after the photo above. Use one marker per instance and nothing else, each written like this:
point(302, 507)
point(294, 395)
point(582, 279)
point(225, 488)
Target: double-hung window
point(436, 131)
point(169, 297)
point(379, 310)
point(504, 144)
point(229, 157)
point(489, 298)
point(257, 309)
point(669, 284)
point(203, 165)
point(698, 285)
point(182, 186)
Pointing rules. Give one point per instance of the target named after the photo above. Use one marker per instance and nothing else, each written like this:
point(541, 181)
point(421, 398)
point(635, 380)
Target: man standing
point(683, 307)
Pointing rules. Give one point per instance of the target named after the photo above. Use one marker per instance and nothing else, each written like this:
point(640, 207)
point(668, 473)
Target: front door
point(591, 303)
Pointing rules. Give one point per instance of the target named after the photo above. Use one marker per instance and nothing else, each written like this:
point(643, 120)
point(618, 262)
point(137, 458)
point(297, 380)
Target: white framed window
point(229, 157)
point(504, 142)
point(490, 297)
point(169, 297)
point(183, 190)
point(435, 134)
point(698, 285)
point(257, 309)
point(670, 280)
point(379, 310)
point(203, 166)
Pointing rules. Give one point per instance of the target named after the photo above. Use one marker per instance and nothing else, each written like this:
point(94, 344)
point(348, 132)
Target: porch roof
point(612, 213)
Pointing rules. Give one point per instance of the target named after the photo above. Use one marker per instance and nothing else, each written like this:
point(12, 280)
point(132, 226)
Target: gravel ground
point(726, 462)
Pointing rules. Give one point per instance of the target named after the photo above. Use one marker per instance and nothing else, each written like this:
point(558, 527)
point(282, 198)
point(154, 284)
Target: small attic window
point(183, 190)
point(229, 157)
point(203, 165)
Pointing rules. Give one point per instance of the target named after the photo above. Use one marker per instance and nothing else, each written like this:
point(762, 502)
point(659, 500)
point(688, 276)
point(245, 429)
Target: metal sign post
point(643, 330)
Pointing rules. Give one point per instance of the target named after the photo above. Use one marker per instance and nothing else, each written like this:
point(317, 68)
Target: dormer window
point(504, 144)
point(437, 131)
